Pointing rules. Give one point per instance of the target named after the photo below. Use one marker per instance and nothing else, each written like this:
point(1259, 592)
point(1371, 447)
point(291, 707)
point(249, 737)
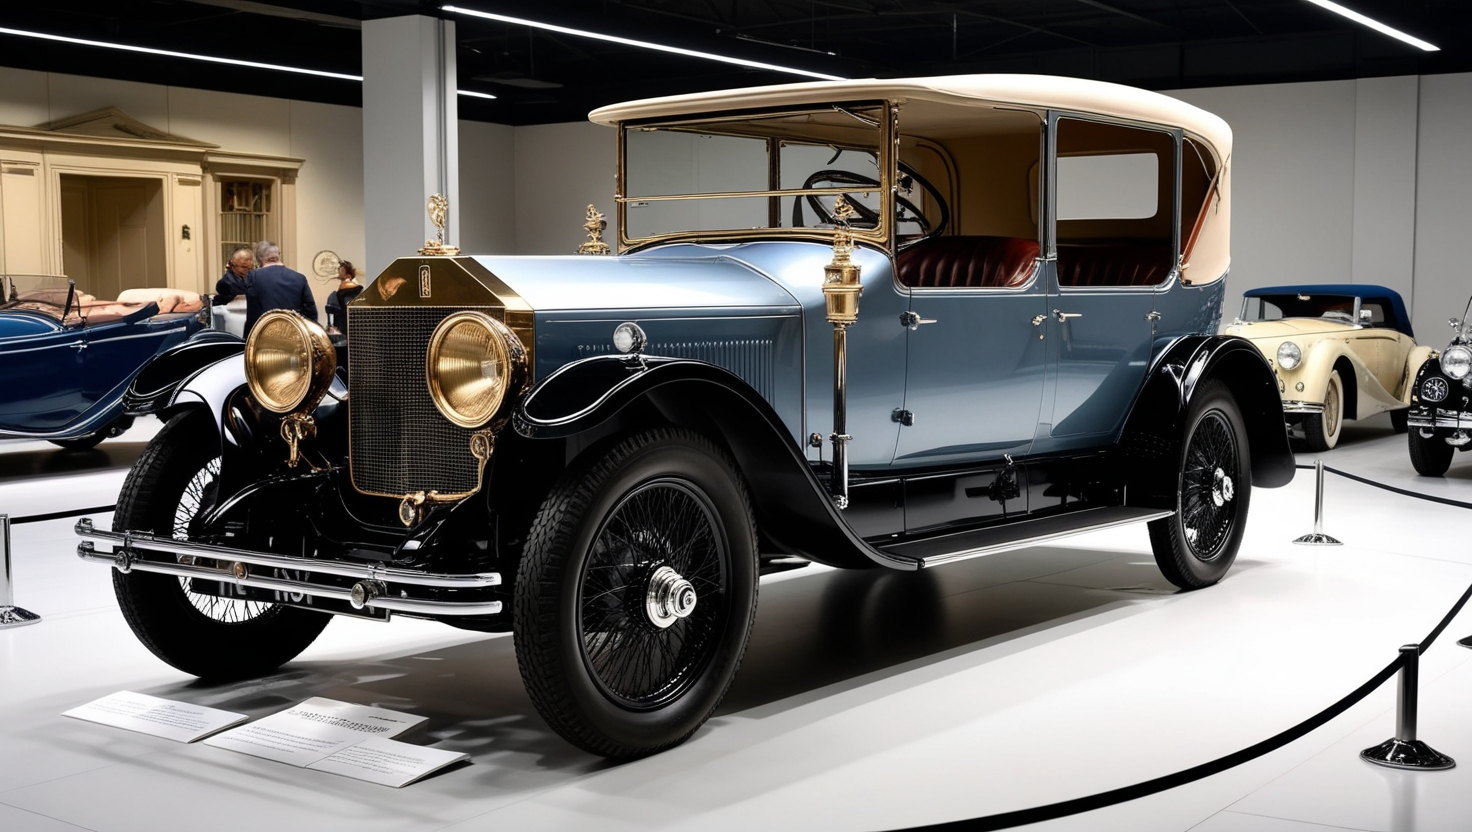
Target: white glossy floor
point(867, 701)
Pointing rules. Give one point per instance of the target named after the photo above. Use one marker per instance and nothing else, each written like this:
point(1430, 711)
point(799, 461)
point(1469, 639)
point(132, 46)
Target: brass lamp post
point(841, 290)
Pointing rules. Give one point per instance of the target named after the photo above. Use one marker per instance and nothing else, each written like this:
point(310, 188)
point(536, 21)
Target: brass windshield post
point(841, 290)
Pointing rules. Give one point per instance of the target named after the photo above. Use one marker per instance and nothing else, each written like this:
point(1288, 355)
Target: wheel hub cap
point(1222, 488)
point(669, 598)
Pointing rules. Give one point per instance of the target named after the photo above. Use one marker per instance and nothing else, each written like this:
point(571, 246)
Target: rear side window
point(1115, 204)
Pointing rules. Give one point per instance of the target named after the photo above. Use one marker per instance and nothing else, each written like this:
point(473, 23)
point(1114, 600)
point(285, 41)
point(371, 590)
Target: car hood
point(1289, 329)
point(585, 283)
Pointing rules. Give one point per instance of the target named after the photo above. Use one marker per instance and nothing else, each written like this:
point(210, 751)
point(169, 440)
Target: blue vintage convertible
point(66, 359)
point(875, 324)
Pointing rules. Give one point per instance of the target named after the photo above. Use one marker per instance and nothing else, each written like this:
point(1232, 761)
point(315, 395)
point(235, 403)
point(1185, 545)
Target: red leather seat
point(1113, 264)
point(968, 262)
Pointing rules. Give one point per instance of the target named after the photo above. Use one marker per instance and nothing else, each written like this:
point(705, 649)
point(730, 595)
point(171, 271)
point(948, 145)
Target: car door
point(1114, 244)
point(117, 349)
point(40, 375)
point(974, 373)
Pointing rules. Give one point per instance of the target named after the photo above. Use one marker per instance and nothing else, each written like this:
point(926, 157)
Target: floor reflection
point(28, 462)
point(815, 634)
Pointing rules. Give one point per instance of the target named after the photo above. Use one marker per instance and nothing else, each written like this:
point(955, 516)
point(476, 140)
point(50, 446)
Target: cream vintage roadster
point(1341, 352)
point(874, 324)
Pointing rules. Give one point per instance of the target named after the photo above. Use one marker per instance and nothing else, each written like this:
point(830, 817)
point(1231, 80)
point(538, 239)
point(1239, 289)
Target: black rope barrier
point(1078, 805)
point(1446, 501)
point(59, 515)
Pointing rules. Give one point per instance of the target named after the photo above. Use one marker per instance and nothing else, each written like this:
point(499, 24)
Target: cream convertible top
point(1206, 246)
point(1031, 91)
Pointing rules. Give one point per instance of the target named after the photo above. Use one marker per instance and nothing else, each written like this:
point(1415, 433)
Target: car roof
point(1036, 91)
point(1365, 291)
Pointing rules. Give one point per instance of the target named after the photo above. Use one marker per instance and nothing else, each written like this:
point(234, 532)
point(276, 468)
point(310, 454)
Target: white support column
point(410, 134)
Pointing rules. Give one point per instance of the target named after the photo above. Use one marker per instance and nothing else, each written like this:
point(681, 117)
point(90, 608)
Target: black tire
point(600, 670)
point(204, 635)
point(1430, 457)
point(1196, 546)
point(1321, 430)
point(1398, 420)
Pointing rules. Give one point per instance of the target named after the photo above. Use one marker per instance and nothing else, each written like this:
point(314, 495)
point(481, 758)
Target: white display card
point(178, 721)
point(314, 730)
point(388, 762)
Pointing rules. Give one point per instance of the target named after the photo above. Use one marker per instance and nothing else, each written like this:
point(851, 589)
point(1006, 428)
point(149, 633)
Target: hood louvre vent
point(751, 359)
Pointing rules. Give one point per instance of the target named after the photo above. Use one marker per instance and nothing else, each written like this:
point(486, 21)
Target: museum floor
point(867, 701)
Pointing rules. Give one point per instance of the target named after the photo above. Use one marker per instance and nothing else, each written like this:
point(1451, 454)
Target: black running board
point(934, 551)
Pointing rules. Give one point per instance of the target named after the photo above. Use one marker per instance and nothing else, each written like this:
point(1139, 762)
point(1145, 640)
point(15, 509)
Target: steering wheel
point(905, 209)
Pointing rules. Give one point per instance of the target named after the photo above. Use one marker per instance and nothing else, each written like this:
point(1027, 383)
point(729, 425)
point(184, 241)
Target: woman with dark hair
point(337, 309)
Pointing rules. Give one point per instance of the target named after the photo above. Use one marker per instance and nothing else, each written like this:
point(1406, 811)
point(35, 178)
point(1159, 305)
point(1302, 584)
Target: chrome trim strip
point(86, 552)
point(1303, 407)
point(967, 554)
point(366, 572)
point(1441, 422)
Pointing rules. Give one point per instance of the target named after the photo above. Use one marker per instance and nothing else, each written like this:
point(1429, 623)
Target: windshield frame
point(1355, 315)
point(881, 236)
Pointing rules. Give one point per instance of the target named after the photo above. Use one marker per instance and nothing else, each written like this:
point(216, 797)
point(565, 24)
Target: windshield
point(728, 177)
point(46, 294)
point(1339, 308)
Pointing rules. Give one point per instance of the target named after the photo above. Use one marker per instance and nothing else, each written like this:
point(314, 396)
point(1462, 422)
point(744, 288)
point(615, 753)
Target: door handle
point(80, 345)
point(912, 319)
point(1037, 320)
point(1064, 316)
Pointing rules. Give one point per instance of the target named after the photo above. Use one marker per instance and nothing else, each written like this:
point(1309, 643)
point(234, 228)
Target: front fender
point(1153, 429)
point(157, 384)
point(604, 395)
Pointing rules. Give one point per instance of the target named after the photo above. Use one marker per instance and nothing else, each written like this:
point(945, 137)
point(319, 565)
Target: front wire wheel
point(173, 484)
point(1197, 545)
point(1430, 456)
point(636, 594)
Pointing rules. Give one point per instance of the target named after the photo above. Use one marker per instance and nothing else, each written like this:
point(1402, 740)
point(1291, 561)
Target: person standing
point(241, 261)
point(271, 286)
point(337, 303)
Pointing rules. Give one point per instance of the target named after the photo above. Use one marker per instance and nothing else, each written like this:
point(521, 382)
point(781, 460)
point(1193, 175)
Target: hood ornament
point(595, 224)
point(439, 211)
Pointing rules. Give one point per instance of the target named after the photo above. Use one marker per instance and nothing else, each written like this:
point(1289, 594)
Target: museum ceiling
point(541, 76)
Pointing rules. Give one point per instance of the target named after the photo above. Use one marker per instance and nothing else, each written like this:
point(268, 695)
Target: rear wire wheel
point(636, 594)
point(173, 485)
point(1196, 546)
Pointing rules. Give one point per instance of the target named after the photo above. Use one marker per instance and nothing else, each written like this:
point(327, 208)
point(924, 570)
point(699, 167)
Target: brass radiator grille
point(399, 441)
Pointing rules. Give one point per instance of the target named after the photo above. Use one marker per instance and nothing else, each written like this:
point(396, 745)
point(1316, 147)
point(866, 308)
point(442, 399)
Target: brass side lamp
point(841, 290)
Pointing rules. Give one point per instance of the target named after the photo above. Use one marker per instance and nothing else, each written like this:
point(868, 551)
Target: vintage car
point(66, 358)
point(598, 453)
point(1440, 417)
point(1340, 352)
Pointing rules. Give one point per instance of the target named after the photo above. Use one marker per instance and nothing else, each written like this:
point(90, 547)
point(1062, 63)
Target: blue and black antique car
point(887, 324)
point(66, 358)
point(1440, 418)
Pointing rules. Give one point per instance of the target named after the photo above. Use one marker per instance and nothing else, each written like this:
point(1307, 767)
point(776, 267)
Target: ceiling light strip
point(1375, 24)
point(167, 53)
point(642, 44)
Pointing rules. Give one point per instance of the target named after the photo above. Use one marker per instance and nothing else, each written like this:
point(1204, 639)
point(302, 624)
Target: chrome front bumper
point(1302, 407)
point(1445, 419)
point(375, 587)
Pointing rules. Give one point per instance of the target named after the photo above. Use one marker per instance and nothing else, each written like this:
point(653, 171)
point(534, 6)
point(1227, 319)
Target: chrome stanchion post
point(1318, 538)
point(1404, 750)
point(10, 614)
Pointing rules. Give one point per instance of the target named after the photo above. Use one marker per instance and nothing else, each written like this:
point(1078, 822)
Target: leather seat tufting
point(968, 262)
point(1112, 264)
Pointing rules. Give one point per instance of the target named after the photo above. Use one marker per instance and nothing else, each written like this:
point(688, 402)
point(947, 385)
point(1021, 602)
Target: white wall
point(560, 169)
point(487, 188)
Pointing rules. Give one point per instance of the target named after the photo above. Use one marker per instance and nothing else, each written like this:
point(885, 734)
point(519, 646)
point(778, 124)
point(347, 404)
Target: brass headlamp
point(289, 362)
point(473, 361)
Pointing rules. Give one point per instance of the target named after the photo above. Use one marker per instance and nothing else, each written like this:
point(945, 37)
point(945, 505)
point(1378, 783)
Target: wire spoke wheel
point(1208, 491)
point(199, 497)
point(1196, 545)
point(636, 593)
point(669, 524)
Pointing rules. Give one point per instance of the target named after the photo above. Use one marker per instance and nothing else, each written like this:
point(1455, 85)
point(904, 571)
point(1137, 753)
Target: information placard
point(315, 729)
point(178, 721)
point(388, 762)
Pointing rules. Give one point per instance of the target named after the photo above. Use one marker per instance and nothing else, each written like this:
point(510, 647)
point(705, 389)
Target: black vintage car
point(599, 453)
point(1440, 417)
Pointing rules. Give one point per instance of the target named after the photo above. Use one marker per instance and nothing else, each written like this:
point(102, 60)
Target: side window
point(1115, 204)
point(1376, 316)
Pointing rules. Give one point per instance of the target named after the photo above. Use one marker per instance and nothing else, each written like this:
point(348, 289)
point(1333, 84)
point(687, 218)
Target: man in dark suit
point(272, 286)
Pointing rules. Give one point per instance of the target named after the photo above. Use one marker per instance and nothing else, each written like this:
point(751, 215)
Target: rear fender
point(1151, 441)
point(595, 399)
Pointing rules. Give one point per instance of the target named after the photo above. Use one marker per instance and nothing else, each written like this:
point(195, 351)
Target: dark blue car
point(65, 361)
